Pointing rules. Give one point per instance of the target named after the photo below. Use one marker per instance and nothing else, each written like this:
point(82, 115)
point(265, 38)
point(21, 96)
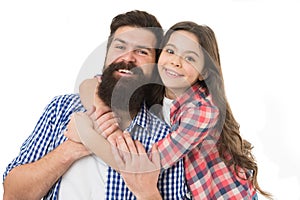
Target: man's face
point(136, 45)
point(121, 87)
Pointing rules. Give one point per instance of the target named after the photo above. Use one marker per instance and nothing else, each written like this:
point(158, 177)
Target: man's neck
point(125, 116)
point(89, 97)
point(125, 119)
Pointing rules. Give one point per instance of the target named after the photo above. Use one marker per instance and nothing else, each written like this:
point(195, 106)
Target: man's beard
point(122, 93)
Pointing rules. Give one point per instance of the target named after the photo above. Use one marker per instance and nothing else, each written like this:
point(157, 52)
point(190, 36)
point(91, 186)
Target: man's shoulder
point(62, 106)
point(66, 101)
point(66, 98)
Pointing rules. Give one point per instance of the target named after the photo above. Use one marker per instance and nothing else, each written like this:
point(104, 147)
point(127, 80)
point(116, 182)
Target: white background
point(44, 44)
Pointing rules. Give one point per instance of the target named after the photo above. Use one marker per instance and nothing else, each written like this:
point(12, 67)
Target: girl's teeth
point(172, 73)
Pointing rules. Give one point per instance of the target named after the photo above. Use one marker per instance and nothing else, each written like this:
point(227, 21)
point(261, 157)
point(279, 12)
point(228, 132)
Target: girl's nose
point(176, 60)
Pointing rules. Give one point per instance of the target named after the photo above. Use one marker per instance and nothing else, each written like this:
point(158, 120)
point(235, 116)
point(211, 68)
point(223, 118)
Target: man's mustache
point(125, 67)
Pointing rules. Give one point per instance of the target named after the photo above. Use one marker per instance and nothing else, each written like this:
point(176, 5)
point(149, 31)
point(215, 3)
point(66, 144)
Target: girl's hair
point(230, 141)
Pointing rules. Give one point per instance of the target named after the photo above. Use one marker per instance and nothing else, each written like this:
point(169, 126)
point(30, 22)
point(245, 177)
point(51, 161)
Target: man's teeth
point(125, 71)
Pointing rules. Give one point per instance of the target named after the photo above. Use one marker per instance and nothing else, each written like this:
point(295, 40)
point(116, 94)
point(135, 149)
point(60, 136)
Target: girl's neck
point(173, 94)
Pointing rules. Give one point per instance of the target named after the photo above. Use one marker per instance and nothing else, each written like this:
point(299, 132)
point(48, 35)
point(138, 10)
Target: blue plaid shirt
point(48, 134)
point(148, 129)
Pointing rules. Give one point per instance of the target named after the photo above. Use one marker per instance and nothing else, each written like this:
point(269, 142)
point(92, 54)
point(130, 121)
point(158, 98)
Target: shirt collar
point(141, 119)
point(196, 89)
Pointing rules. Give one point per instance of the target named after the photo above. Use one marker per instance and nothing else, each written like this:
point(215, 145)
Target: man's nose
point(129, 57)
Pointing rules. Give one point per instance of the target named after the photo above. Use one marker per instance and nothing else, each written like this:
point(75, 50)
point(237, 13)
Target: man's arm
point(44, 156)
point(34, 180)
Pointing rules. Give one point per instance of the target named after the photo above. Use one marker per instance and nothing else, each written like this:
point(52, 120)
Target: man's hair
point(139, 19)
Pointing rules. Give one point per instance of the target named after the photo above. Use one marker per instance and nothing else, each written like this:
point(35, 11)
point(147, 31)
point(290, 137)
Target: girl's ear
point(203, 75)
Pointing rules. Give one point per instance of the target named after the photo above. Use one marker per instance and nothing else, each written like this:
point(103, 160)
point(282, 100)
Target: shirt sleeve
point(193, 126)
point(44, 138)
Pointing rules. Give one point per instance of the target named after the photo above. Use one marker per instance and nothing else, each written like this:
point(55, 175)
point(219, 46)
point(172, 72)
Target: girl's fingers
point(99, 112)
point(130, 143)
point(141, 159)
point(155, 157)
point(106, 126)
point(118, 158)
point(108, 131)
point(140, 148)
point(123, 149)
point(105, 118)
point(91, 110)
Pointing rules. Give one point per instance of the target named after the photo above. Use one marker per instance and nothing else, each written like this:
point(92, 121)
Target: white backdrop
point(44, 45)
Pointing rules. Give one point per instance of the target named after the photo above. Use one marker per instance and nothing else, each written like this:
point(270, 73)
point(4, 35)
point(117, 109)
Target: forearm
point(34, 180)
point(95, 142)
point(98, 145)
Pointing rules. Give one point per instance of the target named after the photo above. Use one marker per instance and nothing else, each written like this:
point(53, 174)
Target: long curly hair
point(233, 149)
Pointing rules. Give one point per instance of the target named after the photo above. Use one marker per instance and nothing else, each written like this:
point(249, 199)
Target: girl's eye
point(170, 51)
point(190, 59)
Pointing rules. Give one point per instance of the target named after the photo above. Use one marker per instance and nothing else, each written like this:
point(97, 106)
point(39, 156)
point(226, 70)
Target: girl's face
point(180, 63)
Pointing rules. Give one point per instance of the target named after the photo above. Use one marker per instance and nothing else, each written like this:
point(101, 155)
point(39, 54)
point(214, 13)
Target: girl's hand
point(106, 124)
point(139, 171)
point(78, 119)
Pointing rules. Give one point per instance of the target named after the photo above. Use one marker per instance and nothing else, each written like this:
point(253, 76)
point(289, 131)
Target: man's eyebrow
point(137, 46)
point(144, 47)
point(120, 40)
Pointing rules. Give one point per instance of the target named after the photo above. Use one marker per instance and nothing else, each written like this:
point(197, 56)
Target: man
point(46, 155)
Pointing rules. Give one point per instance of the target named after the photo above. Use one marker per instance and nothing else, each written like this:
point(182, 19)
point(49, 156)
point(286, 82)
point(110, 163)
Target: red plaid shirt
point(193, 137)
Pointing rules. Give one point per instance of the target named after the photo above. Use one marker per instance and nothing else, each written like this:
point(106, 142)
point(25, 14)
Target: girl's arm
point(85, 127)
point(142, 184)
point(194, 125)
point(81, 129)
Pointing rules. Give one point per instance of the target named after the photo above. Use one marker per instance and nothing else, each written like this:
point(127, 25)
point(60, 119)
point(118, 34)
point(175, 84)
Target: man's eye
point(120, 47)
point(142, 52)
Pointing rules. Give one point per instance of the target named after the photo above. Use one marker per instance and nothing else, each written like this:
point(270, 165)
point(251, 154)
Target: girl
point(218, 162)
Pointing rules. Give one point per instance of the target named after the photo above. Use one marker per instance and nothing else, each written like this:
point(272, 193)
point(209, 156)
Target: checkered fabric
point(194, 137)
point(148, 129)
point(48, 134)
